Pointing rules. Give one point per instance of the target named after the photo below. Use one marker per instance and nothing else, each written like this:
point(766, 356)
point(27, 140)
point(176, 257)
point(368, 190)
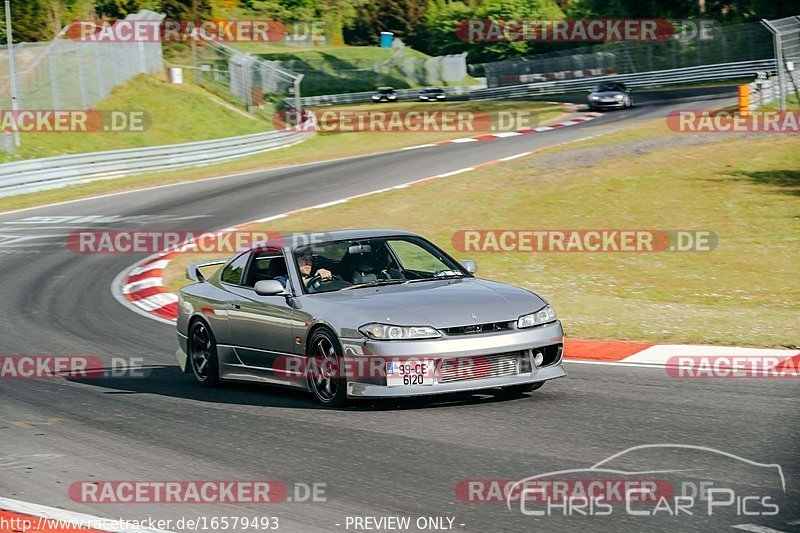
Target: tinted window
point(233, 272)
point(266, 267)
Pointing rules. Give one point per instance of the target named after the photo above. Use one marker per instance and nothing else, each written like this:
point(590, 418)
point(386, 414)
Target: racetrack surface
point(385, 458)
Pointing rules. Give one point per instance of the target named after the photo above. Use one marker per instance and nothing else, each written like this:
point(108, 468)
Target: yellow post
point(744, 100)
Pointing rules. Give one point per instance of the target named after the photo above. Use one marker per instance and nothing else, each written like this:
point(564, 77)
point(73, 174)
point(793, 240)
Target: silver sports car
point(363, 313)
point(610, 94)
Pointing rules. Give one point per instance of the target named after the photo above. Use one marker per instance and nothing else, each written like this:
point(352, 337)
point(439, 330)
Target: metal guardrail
point(354, 98)
point(724, 71)
point(52, 172)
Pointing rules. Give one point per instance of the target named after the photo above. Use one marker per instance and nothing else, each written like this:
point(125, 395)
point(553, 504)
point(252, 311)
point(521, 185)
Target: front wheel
point(325, 376)
point(203, 355)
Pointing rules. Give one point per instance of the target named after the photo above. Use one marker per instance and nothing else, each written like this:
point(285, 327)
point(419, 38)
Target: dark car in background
point(432, 94)
point(384, 94)
point(610, 95)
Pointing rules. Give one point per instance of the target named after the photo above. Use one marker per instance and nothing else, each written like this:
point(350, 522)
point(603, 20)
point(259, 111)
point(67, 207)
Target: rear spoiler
point(194, 273)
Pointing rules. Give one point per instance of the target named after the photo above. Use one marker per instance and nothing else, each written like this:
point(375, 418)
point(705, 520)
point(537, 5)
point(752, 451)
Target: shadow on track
point(169, 381)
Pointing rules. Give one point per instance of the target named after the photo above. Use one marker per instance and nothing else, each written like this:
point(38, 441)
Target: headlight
point(376, 97)
point(543, 316)
point(595, 98)
point(619, 97)
point(392, 96)
point(388, 332)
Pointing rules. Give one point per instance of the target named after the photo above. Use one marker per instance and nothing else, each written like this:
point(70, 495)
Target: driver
point(306, 264)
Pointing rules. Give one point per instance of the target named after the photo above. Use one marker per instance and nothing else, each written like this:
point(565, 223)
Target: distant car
point(431, 94)
point(610, 94)
point(394, 313)
point(384, 94)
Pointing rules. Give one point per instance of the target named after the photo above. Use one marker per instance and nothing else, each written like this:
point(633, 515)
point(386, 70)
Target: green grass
point(179, 113)
point(746, 190)
point(318, 148)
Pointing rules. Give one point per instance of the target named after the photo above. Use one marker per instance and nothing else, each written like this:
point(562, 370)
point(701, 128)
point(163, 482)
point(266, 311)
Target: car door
point(261, 326)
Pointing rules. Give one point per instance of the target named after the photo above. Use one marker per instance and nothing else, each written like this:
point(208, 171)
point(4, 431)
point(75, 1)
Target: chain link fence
point(401, 70)
point(785, 34)
point(243, 78)
point(708, 45)
point(70, 74)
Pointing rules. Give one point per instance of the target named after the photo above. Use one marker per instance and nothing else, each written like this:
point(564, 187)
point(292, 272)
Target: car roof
point(318, 237)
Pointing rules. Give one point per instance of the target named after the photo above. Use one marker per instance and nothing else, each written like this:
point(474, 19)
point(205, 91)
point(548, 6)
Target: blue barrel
point(386, 39)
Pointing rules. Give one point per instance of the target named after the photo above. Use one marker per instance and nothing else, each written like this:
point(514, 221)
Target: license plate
point(608, 100)
point(400, 373)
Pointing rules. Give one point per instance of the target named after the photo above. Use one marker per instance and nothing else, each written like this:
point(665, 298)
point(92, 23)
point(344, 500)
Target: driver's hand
point(324, 273)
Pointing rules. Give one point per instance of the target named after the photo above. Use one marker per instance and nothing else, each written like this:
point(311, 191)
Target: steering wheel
point(315, 281)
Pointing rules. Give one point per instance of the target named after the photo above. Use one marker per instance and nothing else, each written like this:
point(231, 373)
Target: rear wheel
point(325, 377)
point(203, 355)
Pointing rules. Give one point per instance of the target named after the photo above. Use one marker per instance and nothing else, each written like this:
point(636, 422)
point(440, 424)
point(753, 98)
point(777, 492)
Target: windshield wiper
point(375, 283)
point(435, 278)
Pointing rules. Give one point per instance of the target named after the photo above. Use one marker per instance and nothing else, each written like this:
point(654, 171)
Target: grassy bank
point(178, 113)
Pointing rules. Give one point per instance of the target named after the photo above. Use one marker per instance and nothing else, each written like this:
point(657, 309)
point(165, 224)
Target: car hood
point(441, 304)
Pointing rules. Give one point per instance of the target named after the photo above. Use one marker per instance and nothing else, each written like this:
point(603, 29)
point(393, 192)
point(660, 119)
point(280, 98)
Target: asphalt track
point(385, 458)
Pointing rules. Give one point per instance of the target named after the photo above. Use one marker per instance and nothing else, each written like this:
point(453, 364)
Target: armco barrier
point(52, 172)
point(719, 72)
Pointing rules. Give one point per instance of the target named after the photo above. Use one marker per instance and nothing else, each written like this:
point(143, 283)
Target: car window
point(414, 257)
point(233, 272)
point(267, 266)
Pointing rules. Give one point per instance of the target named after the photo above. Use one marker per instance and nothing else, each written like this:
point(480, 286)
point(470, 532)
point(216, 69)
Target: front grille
point(478, 367)
point(473, 329)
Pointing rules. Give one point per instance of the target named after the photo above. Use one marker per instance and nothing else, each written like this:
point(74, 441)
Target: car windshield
point(604, 87)
point(385, 91)
point(357, 263)
point(433, 91)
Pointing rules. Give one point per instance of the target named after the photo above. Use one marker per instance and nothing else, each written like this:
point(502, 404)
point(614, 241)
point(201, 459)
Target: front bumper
point(607, 105)
point(455, 347)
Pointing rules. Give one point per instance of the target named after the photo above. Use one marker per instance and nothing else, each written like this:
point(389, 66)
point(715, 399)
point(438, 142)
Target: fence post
point(776, 44)
point(15, 104)
point(99, 65)
point(81, 80)
point(53, 79)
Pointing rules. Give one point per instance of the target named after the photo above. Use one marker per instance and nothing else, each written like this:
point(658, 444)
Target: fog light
point(538, 359)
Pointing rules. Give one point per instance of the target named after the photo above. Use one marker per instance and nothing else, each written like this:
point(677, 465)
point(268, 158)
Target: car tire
point(203, 355)
point(522, 389)
point(325, 369)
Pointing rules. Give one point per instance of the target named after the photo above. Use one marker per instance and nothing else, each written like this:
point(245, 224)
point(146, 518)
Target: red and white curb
point(18, 516)
point(522, 131)
point(664, 355)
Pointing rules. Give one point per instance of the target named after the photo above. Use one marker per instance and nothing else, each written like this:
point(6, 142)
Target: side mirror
point(268, 287)
point(470, 265)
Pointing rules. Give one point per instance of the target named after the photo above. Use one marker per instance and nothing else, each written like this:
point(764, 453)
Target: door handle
point(236, 306)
